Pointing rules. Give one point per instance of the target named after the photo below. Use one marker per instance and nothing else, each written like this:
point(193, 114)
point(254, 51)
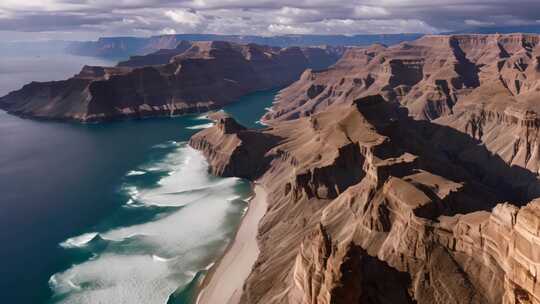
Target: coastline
point(226, 279)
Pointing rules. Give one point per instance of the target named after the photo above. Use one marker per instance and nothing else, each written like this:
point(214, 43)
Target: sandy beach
point(227, 279)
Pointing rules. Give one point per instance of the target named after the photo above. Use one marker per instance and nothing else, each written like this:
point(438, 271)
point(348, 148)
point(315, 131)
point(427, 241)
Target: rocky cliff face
point(232, 150)
point(370, 202)
point(429, 76)
point(196, 77)
point(482, 85)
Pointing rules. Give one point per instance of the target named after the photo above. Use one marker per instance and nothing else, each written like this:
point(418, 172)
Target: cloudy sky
point(89, 19)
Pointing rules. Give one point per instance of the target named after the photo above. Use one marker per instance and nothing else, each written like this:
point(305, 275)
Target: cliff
point(233, 150)
point(196, 77)
point(428, 76)
point(371, 201)
point(482, 85)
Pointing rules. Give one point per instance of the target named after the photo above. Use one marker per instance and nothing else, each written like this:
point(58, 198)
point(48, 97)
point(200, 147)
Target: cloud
point(479, 23)
point(185, 17)
point(261, 17)
point(288, 29)
point(167, 31)
point(370, 11)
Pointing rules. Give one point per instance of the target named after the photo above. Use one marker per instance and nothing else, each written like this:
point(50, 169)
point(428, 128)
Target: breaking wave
point(135, 172)
point(172, 227)
point(168, 144)
point(79, 241)
point(203, 126)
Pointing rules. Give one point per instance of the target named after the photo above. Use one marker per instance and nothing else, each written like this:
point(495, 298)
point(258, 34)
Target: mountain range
point(402, 174)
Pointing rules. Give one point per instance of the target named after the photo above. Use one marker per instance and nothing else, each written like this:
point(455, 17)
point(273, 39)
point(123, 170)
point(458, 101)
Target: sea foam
point(135, 173)
point(157, 258)
point(135, 265)
point(79, 241)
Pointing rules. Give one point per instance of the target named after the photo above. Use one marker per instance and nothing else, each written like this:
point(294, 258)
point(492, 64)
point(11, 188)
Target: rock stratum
point(399, 175)
point(193, 77)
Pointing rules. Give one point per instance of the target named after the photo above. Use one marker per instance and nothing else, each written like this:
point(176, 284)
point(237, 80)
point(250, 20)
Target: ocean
point(120, 212)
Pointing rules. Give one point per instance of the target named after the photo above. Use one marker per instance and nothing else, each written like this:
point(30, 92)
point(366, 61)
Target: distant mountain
point(530, 29)
point(128, 46)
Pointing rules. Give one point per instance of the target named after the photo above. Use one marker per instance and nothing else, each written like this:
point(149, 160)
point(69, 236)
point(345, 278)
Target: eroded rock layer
point(429, 76)
point(194, 77)
point(486, 86)
point(369, 205)
point(232, 150)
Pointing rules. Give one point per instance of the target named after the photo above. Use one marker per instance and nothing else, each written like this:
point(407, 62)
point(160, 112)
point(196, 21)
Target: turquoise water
point(250, 108)
point(122, 212)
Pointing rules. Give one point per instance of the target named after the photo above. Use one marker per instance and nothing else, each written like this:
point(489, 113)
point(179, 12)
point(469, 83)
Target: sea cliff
point(194, 77)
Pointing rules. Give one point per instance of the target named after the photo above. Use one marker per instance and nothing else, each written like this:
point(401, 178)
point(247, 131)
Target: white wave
point(192, 235)
point(258, 122)
point(190, 273)
point(123, 238)
point(53, 281)
point(63, 284)
point(157, 258)
point(73, 285)
point(233, 198)
point(117, 279)
point(203, 126)
point(162, 197)
point(168, 144)
point(78, 241)
point(133, 204)
point(135, 173)
point(187, 177)
point(132, 191)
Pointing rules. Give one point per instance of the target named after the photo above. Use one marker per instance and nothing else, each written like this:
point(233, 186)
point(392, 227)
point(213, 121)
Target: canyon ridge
point(191, 78)
point(403, 174)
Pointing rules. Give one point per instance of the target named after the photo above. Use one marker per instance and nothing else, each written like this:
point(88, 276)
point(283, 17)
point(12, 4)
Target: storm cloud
point(93, 18)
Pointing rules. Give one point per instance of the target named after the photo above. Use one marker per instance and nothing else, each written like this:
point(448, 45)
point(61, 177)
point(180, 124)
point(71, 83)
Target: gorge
point(382, 174)
point(403, 174)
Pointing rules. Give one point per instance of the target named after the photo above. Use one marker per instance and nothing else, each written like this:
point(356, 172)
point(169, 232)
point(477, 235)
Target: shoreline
point(225, 281)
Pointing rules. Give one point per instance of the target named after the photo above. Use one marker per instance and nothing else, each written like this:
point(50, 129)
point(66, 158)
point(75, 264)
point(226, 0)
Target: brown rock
point(406, 174)
point(194, 77)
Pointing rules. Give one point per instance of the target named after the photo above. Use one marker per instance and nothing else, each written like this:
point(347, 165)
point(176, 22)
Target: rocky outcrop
point(369, 205)
point(194, 77)
point(233, 150)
